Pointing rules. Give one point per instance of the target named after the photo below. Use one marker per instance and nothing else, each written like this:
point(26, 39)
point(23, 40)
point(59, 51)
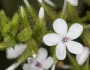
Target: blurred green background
point(11, 6)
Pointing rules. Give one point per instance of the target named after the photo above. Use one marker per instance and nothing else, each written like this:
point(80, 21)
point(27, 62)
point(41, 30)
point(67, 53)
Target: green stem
point(64, 8)
point(23, 57)
point(73, 61)
point(87, 26)
point(87, 64)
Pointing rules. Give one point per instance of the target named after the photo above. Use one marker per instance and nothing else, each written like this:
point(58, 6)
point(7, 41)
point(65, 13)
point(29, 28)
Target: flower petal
point(10, 53)
point(73, 2)
point(40, 69)
point(81, 58)
point(25, 67)
point(33, 68)
point(30, 60)
point(42, 55)
point(19, 49)
point(75, 31)
point(60, 27)
point(47, 63)
point(61, 51)
point(53, 67)
point(51, 39)
point(74, 47)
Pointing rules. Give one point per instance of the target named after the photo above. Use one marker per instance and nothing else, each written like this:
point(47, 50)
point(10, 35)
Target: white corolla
point(73, 2)
point(15, 52)
point(81, 58)
point(64, 38)
point(41, 62)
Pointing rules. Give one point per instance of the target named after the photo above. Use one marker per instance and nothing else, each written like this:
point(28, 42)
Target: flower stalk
point(64, 9)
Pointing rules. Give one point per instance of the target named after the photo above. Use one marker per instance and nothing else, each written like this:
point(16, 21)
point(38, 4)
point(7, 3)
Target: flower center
point(37, 64)
point(65, 39)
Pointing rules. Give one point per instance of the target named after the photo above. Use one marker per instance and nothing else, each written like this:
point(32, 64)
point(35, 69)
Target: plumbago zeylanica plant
point(23, 35)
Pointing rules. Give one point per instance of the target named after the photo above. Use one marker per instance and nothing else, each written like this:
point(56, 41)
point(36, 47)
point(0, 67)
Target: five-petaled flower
point(81, 58)
point(41, 62)
point(64, 39)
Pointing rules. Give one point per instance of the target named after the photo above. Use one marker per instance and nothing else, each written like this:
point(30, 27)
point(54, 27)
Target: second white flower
point(64, 39)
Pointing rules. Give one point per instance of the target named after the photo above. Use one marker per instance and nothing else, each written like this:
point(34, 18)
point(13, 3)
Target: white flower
point(41, 13)
point(64, 39)
point(13, 66)
point(15, 52)
point(81, 58)
point(49, 2)
point(41, 62)
point(73, 2)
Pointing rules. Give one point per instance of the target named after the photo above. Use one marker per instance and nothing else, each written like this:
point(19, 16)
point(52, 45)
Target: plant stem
point(64, 8)
point(87, 64)
point(73, 61)
point(87, 26)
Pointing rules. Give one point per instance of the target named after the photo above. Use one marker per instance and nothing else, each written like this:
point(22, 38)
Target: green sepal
point(3, 19)
point(31, 46)
point(9, 39)
point(6, 28)
point(32, 12)
point(39, 30)
point(24, 35)
point(31, 49)
point(24, 22)
point(14, 24)
point(4, 45)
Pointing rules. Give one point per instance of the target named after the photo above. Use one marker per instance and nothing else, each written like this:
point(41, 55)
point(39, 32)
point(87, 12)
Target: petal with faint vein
point(51, 39)
point(61, 51)
point(81, 58)
point(60, 27)
point(42, 55)
point(74, 47)
point(47, 63)
point(75, 31)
